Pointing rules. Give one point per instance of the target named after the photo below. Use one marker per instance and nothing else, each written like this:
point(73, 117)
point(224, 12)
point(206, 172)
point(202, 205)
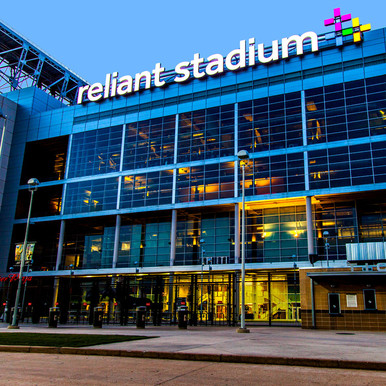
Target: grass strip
point(62, 340)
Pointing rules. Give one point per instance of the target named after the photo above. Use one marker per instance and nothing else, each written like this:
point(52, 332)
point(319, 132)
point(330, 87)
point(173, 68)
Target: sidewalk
point(268, 345)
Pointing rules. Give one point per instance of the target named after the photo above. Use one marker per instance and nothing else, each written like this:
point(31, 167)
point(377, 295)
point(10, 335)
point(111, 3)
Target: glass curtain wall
point(270, 123)
point(276, 234)
point(205, 134)
point(144, 243)
point(217, 231)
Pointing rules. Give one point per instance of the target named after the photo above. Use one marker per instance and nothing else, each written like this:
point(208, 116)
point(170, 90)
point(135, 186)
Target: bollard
point(141, 317)
point(53, 317)
point(98, 317)
point(182, 317)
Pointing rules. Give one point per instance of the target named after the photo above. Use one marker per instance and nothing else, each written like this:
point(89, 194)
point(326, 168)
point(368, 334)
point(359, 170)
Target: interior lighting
point(125, 246)
point(311, 106)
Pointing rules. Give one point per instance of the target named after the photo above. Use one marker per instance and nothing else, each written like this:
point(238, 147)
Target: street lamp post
point(24, 292)
point(243, 157)
point(202, 242)
point(33, 186)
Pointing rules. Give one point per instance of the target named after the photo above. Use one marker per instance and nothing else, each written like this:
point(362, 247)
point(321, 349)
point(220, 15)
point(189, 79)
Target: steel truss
point(22, 64)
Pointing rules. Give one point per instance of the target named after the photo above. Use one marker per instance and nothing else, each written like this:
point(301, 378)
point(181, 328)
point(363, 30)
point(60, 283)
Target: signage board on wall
point(28, 255)
point(246, 55)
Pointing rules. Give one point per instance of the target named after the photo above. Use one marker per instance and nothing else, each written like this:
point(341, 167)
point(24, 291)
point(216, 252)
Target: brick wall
point(349, 318)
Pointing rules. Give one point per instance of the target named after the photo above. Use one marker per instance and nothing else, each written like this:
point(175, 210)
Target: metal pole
point(243, 254)
point(22, 260)
point(22, 302)
point(242, 316)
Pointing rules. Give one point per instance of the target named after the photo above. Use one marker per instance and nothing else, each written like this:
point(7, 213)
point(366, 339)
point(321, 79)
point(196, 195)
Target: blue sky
point(93, 38)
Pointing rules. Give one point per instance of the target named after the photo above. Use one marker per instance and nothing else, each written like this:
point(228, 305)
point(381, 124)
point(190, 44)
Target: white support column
point(121, 165)
point(122, 147)
point(59, 252)
point(175, 159)
point(310, 230)
point(116, 240)
point(171, 296)
point(68, 158)
point(56, 291)
point(173, 237)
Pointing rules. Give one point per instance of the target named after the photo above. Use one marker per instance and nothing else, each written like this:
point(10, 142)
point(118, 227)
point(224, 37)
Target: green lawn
point(61, 340)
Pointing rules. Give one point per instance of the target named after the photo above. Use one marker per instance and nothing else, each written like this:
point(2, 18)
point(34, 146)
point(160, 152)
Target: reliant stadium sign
point(236, 60)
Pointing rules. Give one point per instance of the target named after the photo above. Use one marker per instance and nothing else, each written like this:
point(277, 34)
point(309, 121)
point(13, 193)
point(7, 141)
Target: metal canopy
point(23, 64)
point(319, 275)
point(337, 278)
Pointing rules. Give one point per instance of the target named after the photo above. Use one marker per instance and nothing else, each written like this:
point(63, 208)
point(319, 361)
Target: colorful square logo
point(356, 28)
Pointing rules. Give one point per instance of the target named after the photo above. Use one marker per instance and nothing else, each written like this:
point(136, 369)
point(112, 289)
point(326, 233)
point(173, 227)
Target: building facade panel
point(140, 194)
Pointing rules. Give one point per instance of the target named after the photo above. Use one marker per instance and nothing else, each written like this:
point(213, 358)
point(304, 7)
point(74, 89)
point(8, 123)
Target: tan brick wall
point(350, 318)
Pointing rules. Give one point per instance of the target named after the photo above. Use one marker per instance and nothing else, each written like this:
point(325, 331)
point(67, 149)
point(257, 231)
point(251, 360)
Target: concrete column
point(116, 240)
point(171, 296)
point(60, 245)
point(237, 233)
point(173, 237)
point(304, 131)
point(58, 262)
point(236, 292)
point(310, 230)
point(56, 291)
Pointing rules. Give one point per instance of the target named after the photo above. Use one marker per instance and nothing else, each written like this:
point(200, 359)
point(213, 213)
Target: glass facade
point(153, 188)
point(270, 123)
point(149, 186)
point(149, 143)
point(91, 196)
point(95, 152)
point(205, 134)
point(314, 141)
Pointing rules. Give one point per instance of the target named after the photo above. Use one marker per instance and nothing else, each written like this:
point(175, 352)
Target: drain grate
point(345, 333)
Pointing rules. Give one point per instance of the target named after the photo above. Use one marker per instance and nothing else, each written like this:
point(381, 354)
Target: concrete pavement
point(266, 345)
point(45, 369)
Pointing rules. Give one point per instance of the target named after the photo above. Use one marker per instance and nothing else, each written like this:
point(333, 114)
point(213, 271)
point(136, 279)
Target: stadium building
point(140, 193)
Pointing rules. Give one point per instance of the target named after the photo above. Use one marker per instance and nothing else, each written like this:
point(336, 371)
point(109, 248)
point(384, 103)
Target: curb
point(225, 358)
